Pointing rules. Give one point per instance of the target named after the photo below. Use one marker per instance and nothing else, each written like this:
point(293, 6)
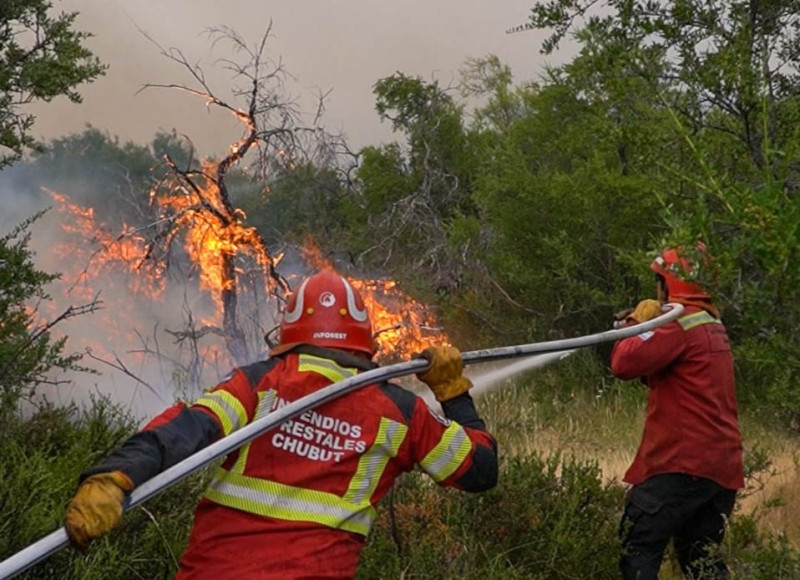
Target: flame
point(104, 254)
point(213, 232)
point(96, 264)
point(139, 299)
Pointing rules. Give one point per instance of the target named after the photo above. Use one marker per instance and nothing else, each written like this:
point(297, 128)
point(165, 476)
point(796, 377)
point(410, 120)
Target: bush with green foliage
point(43, 456)
point(547, 518)
point(43, 57)
point(27, 351)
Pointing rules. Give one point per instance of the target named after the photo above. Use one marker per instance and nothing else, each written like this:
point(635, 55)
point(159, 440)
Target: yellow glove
point(645, 310)
point(444, 374)
point(96, 508)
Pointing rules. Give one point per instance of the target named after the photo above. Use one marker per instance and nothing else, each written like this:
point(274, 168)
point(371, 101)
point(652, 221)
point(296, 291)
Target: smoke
point(152, 334)
point(136, 340)
point(130, 340)
point(413, 37)
point(20, 198)
point(386, 38)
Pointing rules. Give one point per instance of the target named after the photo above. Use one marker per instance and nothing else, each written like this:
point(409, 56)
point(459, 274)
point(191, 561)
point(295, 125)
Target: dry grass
point(774, 496)
point(605, 426)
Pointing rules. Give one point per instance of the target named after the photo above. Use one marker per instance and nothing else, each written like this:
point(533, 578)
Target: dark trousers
point(691, 511)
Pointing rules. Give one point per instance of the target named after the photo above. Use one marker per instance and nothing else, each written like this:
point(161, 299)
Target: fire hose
point(54, 541)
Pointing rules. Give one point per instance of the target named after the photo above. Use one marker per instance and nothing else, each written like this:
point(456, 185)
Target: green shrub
point(758, 555)
point(43, 456)
point(546, 518)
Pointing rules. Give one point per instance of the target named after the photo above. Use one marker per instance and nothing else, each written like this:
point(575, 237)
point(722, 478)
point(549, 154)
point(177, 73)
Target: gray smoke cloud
point(139, 363)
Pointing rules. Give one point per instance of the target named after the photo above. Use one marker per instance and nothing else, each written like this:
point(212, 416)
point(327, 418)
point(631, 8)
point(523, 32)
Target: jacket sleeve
point(455, 450)
point(647, 353)
point(181, 430)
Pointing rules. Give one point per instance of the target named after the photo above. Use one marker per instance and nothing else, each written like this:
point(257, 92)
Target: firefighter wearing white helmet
point(299, 500)
point(688, 467)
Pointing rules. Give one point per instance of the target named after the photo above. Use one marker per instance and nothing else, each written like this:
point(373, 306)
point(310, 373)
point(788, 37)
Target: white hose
point(54, 541)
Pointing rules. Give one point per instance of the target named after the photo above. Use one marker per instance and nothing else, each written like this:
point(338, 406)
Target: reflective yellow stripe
point(265, 402)
point(353, 512)
point(271, 499)
point(228, 409)
point(696, 319)
point(371, 465)
point(449, 454)
point(326, 368)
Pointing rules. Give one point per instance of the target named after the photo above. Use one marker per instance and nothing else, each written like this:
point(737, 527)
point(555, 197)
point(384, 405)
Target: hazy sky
point(339, 45)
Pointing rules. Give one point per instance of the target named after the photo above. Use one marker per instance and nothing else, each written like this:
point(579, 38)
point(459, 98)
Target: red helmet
point(326, 311)
point(675, 268)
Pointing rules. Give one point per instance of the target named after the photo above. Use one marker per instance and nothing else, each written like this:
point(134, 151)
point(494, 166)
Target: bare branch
point(120, 366)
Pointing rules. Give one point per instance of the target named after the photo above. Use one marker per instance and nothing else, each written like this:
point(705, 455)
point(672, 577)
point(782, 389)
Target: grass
point(549, 411)
point(773, 495)
point(577, 409)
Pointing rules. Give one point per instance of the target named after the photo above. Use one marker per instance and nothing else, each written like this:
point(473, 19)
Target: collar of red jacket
point(698, 303)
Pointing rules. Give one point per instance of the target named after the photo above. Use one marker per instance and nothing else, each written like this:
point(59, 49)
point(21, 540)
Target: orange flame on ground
point(93, 257)
point(104, 254)
point(96, 263)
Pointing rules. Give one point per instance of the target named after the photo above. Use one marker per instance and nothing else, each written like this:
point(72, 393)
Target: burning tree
point(194, 202)
point(194, 231)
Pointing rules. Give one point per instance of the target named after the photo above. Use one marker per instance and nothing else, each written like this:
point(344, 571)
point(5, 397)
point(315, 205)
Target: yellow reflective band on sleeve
point(449, 453)
point(228, 409)
point(371, 465)
point(326, 368)
point(697, 319)
point(275, 500)
point(265, 402)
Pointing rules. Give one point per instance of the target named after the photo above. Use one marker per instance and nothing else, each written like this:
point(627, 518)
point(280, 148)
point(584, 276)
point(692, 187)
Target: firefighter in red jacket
point(689, 463)
point(299, 501)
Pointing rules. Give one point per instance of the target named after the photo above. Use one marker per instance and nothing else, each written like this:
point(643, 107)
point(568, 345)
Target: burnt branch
point(40, 333)
point(118, 365)
point(70, 312)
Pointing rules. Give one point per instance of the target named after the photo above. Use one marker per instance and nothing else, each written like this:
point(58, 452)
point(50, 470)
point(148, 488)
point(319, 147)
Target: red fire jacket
point(299, 501)
point(691, 425)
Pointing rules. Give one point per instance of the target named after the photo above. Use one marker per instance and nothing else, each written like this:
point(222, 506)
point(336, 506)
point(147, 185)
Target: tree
point(728, 78)
point(567, 182)
point(195, 203)
point(416, 197)
point(306, 200)
point(27, 351)
point(41, 57)
point(734, 62)
point(97, 170)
